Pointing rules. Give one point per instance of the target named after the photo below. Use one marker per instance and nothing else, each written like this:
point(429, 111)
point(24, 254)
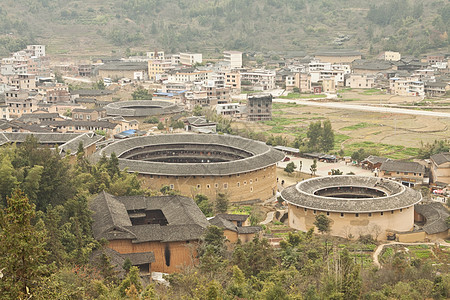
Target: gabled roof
point(435, 215)
point(223, 223)
point(441, 158)
point(402, 166)
point(375, 159)
point(112, 218)
point(233, 217)
point(200, 121)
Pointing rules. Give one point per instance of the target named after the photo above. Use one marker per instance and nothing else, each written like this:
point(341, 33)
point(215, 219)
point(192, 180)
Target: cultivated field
point(393, 135)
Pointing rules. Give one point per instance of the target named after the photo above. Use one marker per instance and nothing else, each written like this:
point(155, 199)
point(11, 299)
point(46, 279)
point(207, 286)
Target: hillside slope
point(90, 27)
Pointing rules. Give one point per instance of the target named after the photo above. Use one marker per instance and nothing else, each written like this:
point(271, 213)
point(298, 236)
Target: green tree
point(290, 167)
point(99, 85)
point(314, 134)
point(203, 203)
point(7, 179)
point(198, 110)
point(141, 94)
point(160, 126)
point(132, 280)
point(327, 137)
point(22, 248)
point(336, 172)
point(313, 167)
point(322, 223)
point(222, 203)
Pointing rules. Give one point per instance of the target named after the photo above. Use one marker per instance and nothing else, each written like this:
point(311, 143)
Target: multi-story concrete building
point(158, 55)
point(158, 69)
point(407, 173)
point(36, 50)
point(392, 56)
point(18, 102)
point(259, 79)
point(190, 59)
point(406, 86)
point(233, 81)
point(24, 82)
point(189, 75)
point(360, 81)
point(233, 58)
point(228, 109)
point(259, 107)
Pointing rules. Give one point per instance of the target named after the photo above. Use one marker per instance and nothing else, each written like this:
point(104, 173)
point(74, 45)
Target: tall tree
point(327, 137)
point(22, 248)
point(313, 167)
point(314, 134)
point(221, 203)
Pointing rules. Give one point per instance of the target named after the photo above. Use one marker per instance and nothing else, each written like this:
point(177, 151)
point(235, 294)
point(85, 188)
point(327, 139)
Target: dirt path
point(380, 248)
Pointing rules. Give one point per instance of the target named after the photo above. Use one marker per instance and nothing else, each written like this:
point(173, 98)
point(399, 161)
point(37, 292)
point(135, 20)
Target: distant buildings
point(190, 59)
point(233, 58)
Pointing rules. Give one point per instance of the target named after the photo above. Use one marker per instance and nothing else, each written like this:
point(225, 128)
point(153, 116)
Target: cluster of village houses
point(32, 101)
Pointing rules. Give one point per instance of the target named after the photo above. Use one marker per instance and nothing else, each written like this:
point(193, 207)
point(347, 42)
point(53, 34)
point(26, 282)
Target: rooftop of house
point(114, 216)
point(375, 159)
point(337, 52)
point(435, 214)
point(200, 121)
point(397, 196)
point(222, 221)
point(441, 158)
point(124, 66)
point(68, 142)
point(92, 93)
point(66, 123)
point(402, 166)
point(262, 155)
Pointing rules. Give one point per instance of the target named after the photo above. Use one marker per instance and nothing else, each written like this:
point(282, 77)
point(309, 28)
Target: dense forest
point(91, 27)
point(47, 245)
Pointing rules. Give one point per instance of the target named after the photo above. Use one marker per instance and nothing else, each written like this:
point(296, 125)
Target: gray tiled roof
point(248, 229)
point(398, 196)
point(111, 218)
point(375, 159)
point(66, 141)
point(223, 223)
point(337, 52)
point(135, 108)
point(263, 155)
point(65, 123)
point(441, 158)
point(233, 217)
point(435, 215)
point(124, 66)
point(87, 139)
point(402, 166)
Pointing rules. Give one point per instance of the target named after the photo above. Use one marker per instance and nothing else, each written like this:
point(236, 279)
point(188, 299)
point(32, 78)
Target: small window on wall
point(251, 189)
point(328, 213)
point(401, 209)
point(199, 186)
point(342, 214)
point(216, 185)
point(171, 186)
point(208, 186)
point(357, 215)
point(314, 211)
point(370, 214)
point(245, 182)
point(251, 181)
point(238, 184)
point(381, 213)
point(225, 185)
point(256, 179)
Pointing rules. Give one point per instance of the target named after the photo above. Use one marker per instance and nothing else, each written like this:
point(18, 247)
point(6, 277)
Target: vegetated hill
point(93, 26)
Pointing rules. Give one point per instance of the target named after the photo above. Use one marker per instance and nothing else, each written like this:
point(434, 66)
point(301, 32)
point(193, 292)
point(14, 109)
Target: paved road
point(269, 218)
point(378, 109)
